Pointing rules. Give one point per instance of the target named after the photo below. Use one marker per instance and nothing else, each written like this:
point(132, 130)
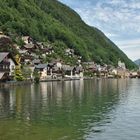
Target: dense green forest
point(50, 20)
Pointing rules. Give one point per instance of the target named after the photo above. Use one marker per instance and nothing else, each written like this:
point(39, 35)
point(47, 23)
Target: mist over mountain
point(137, 62)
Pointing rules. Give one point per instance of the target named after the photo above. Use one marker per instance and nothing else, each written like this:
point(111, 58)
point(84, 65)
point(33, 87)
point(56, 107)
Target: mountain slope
point(137, 62)
point(50, 20)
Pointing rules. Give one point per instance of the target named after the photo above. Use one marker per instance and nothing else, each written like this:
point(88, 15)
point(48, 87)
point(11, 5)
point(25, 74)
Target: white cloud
point(130, 47)
point(110, 35)
point(118, 19)
point(133, 54)
point(129, 43)
point(122, 18)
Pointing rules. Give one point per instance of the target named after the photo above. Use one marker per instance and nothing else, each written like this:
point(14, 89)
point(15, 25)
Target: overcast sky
point(118, 19)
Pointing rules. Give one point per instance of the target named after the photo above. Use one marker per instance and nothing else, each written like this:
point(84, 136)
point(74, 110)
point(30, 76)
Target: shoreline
point(22, 83)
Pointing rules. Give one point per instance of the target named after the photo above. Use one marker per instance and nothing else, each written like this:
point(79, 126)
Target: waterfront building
point(7, 66)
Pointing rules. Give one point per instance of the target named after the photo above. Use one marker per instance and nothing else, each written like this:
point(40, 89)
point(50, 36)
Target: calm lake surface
point(71, 110)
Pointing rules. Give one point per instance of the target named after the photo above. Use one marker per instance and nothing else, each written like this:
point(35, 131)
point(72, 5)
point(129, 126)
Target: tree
point(18, 74)
point(36, 75)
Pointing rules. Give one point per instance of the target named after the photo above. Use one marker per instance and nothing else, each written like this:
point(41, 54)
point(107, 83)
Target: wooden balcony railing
point(5, 67)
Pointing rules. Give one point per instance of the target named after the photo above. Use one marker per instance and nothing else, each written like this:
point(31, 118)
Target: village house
point(17, 47)
point(50, 69)
point(121, 65)
point(58, 64)
point(90, 66)
point(29, 44)
point(4, 40)
point(79, 71)
point(103, 72)
point(69, 52)
point(26, 59)
point(120, 71)
point(47, 51)
point(42, 70)
point(36, 62)
point(79, 59)
point(112, 72)
point(29, 47)
point(134, 74)
point(27, 40)
point(68, 71)
point(7, 66)
point(72, 71)
point(138, 74)
point(55, 69)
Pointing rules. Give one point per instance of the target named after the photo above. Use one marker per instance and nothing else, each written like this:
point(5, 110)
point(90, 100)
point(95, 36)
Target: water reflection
point(60, 110)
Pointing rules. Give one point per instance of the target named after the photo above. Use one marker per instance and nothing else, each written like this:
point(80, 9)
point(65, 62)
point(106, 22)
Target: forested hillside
point(50, 20)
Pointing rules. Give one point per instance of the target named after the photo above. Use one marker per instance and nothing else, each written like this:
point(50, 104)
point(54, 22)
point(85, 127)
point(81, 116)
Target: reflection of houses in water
point(51, 91)
point(59, 92)
point(60, 104)
point(12, 98)
point(44, 91)
point(81, 88)
point(55, 91)
point(74, 88)
point(68, 87)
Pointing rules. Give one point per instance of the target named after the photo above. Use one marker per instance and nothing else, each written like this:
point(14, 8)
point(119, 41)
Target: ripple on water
point(79, 110)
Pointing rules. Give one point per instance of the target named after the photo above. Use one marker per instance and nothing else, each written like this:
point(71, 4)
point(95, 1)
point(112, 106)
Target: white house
point(7, 64)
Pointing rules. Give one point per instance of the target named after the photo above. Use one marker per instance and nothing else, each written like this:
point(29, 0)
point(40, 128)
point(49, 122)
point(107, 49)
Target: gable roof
point(79, 68)
point(67, 68)
point(36, 61)
point(41, 66)
point(3, 55)
point(29, 46)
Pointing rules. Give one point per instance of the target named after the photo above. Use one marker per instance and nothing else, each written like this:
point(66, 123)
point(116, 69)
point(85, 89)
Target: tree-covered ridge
point(49, 20)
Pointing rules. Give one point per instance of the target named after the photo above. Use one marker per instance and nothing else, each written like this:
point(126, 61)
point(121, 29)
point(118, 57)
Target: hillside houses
point(32, 62)
point(69, 52)
point(35, 50)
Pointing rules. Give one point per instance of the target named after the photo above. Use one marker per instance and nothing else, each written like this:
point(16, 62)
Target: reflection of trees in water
point(4, 102)
point(77, 106)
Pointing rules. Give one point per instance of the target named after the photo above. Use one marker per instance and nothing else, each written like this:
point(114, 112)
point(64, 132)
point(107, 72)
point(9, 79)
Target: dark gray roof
point(79, 68)
point(36, 61)
point(67, 68)
point(51, 64)
point(41, 66)
point(29, 46)
point(3, 55)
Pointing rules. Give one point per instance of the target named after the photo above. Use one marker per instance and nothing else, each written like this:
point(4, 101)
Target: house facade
point(7, 65)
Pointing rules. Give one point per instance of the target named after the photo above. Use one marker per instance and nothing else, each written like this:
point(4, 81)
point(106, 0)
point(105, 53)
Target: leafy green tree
point(36, 75)
point(26, 72)
point(18, 74)
point(49, 20)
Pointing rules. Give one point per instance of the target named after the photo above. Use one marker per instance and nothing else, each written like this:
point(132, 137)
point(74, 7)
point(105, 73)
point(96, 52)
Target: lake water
point(72, 110)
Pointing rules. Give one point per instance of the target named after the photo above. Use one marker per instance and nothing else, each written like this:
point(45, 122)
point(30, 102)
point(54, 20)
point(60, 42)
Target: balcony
point(5, 67)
